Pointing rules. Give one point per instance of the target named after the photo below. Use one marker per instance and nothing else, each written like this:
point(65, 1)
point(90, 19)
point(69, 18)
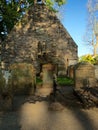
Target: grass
point(65, 81)
point(38, 80)
point(60, 81)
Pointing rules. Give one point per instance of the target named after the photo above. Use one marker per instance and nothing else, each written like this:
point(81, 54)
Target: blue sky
point(74, 19)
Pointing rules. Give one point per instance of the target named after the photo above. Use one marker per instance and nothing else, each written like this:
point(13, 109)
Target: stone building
point(40, 38)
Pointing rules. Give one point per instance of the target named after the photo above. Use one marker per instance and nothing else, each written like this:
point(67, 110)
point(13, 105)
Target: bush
point(22, 80)
point(88, 58)
point(96, 59)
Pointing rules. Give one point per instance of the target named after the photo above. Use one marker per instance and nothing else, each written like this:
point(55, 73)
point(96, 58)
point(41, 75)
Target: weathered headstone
point(96, 71)
point(47, 78)
point(23, 78)
point(84, 75)
point(47, 74)
point(71, 71)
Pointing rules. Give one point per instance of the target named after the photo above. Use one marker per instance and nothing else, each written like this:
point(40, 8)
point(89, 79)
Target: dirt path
point(34, 114)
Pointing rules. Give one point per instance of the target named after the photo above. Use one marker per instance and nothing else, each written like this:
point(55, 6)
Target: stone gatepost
point(84, 74)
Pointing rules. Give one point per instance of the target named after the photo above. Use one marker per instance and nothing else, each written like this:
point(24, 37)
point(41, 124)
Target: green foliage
point(12, 11)
point(22, 78)
point(52, 3)
point(38, 80)
point(89, 58)
point(60, 81)
point(96, 60)
point(60, 2)
point(65, 81)
point(10, 16)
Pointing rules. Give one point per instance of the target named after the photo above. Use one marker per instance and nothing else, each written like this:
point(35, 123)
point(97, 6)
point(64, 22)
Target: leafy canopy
point(89, 58)
point(12, 10)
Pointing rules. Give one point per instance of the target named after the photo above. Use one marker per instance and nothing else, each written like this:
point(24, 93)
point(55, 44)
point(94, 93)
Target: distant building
point(40, 38)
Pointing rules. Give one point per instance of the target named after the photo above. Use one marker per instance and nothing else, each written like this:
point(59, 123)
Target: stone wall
point(40, 38)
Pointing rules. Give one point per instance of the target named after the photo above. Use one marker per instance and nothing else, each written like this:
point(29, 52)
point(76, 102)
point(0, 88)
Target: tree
point(89, 58)
point(12, 10)
point(9, 15)
point(92, 25)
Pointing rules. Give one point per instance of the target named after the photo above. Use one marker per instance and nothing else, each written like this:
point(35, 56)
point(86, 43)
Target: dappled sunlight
point(41, 40)
point(45, 90)
point(32, 115)
point(38, 117)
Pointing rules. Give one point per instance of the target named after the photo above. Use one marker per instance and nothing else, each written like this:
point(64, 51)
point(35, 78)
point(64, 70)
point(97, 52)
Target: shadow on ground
point(33, 113)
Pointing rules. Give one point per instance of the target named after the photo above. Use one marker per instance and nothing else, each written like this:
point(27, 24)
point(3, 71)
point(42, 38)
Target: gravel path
point(29, 115)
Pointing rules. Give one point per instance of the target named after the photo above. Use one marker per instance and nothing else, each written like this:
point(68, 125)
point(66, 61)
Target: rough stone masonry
point(40, 38)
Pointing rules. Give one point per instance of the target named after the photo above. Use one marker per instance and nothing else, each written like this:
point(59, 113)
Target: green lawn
point(60, 81)
point(38, 80)
point(65, 81)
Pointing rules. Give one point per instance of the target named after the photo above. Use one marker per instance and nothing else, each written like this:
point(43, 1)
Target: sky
point(74, 19)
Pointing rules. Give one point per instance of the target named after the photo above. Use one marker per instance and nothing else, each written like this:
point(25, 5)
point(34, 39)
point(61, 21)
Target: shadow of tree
point(70, 101)
point(32, 113)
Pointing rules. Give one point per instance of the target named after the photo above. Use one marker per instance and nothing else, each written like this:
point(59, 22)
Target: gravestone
point(84, 74)
point(71, 71)
point(23, 79)
point(47, 78)
point(96, 71)
point(47, 74)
